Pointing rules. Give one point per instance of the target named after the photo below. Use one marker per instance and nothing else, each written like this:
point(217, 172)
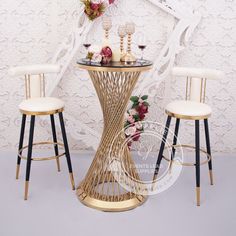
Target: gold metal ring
point(123, 202)
point(41, 158)
point(186, 163)
point(41, 113)
point(185, 117)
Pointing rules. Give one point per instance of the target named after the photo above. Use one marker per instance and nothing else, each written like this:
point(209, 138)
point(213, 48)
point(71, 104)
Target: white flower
point(130, 131)
point(97, 58)
point(139, 125)
point(133, 112)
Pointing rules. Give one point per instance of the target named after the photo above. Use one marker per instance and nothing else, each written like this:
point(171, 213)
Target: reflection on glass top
point(142, 63)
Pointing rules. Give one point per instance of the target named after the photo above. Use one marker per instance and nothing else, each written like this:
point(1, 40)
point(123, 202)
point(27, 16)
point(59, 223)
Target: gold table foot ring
point(124, 203)
point(186, 163)
point(42, 158)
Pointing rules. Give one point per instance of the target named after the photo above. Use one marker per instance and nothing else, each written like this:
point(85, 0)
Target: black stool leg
point(55, 141)
point(160, 155)
point(208, 149)
point(22, 132)
point(67, 152)
point(197, 165)
point(175, 141)
point(29, 156)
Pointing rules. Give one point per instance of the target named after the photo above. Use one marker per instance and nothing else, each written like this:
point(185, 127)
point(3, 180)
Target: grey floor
point(53, 209)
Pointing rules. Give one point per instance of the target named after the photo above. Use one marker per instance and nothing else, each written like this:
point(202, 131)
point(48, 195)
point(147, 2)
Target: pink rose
point(94, 6)
point(106, 51)
point(131, 119)
point(111, 1)
point(136, 136)
point(142, 109)
point(106, 55)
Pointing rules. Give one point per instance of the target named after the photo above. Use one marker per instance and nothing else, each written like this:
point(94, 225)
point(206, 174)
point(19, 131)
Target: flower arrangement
point(98, 55)
point(134, 117)
point(95, 8)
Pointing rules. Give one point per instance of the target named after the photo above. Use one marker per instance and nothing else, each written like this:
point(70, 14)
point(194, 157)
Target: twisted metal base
point(100, 189)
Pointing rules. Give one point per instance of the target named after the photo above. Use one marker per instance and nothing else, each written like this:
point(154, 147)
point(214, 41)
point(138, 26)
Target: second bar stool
point(36, 104)
point(193, 108)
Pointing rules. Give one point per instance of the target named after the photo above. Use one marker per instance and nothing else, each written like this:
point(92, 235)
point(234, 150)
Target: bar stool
point(193, 108)
point(36, 104)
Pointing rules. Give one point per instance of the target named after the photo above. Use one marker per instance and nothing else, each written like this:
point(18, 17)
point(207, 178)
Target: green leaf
point(134, 99)
point(134, 106)
point(144, 97)
point(136, 117)
point(146, 104)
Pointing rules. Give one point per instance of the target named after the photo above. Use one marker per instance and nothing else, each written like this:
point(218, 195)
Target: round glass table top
point(116, 66)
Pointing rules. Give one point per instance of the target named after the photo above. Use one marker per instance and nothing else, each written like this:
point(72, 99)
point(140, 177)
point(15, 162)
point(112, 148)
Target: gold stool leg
point(154, 182)
point(211, 177)
point(26, 190)
point(58, 165)
point(198, 195)
point(17, 171)
point(72, 181)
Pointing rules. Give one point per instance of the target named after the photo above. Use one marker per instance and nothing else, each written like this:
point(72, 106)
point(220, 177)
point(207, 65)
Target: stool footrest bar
point(186, 163)
point(41, 158)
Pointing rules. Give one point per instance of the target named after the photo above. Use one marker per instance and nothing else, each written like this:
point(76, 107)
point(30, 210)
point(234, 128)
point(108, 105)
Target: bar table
point(101, 189)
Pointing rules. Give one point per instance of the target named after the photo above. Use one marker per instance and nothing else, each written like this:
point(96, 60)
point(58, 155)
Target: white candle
point(116, 55)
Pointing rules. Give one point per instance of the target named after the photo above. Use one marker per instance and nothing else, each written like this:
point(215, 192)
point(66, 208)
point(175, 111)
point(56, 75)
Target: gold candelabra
point(122, 34)
point(128, 56)
point(107, 25)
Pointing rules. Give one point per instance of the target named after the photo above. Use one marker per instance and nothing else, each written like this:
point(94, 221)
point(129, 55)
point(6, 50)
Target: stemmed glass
point(87, 45)
point(142, 44)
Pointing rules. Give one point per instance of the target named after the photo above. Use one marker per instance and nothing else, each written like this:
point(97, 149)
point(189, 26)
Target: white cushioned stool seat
point(41, 105)
point(188, 110)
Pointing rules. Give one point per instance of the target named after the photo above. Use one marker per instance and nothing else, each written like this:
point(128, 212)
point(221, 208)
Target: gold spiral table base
point(100, 189)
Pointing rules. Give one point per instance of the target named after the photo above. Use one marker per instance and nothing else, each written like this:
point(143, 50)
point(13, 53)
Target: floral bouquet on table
point(134, 117)
point(100, 55)
point(95, 8)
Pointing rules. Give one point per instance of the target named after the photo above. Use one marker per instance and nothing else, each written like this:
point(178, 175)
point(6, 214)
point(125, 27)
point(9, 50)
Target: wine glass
point(142, 44)
point(87, 45)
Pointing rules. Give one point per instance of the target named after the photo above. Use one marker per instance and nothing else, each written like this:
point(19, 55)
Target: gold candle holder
point(128, 57)
point(122, 34)
point(107, 25)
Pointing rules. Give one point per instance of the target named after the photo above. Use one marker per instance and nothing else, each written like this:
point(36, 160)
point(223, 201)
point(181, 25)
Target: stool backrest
point(196, 81)
point(34, 77)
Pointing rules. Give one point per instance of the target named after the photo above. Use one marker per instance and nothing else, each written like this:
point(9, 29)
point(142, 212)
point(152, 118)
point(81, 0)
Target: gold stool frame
point(42, 158)
point(114, 87)
point(189, 147)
